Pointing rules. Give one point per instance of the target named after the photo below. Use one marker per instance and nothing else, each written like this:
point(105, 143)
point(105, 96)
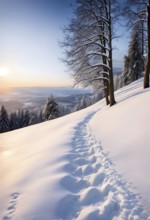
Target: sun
point(4, 71)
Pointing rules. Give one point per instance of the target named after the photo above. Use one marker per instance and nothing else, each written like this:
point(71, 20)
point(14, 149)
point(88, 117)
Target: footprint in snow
point(96, 179)
point(87, 170)
point(12, 206)
point(72, 184)
point(81, 161)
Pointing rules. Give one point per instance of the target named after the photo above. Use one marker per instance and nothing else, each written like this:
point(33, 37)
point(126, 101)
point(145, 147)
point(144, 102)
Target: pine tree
point(133, 62)
point(83, 103)
point(33, 118)
point(40, 117)
point(125, 74)
point(63, 110)
point(26, 118)
point(13, 121)
point(51, 109)
point(20, 118)
point(138, 12)
point(97, 97)
point(4, 120)
point(76, 107)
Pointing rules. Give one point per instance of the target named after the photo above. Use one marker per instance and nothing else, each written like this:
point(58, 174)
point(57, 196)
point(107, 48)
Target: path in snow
point(95, 189)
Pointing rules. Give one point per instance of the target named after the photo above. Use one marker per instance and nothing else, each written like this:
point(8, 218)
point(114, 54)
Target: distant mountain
point(35, 97)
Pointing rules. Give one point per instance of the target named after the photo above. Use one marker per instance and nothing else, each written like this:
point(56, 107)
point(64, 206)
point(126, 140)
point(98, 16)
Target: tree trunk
point(106, 91)
point(147, 68)
point(106, 84)
point(142, 35)
point(104, 59)
point(111, 83)
point(143, 63)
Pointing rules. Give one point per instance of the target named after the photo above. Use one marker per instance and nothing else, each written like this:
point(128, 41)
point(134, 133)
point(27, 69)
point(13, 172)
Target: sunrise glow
point(4, 71)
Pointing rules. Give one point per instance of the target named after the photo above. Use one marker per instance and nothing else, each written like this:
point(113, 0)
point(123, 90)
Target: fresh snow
point(89, 165)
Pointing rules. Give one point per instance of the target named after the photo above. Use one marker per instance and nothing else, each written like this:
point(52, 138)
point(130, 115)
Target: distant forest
point(52, 110)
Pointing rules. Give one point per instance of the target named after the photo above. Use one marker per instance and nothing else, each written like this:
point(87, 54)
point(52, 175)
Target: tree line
point(24, 118)
point(89, 38)
point(52, 110)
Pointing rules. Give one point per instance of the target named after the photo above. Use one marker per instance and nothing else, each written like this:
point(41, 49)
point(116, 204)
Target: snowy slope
point(80, 166)
point(124, 131)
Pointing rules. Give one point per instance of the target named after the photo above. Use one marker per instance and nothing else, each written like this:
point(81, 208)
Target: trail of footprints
point(96, 191)
point(12, 206)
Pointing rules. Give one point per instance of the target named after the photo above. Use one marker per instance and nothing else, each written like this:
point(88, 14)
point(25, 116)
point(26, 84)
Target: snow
point(125, 136)
point(89, 165)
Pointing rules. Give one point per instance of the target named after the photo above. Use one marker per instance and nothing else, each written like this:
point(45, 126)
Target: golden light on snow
point(4, 71)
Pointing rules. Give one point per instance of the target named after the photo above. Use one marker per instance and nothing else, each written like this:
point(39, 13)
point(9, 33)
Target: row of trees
point(85, 102)
point(139, 16)
point(89, 37)
point(134, 62)
point(14, 120)
point(24, 118)
point(52, 110)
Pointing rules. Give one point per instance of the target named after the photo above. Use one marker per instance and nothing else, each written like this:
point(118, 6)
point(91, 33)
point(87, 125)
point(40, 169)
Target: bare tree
point(88, 45)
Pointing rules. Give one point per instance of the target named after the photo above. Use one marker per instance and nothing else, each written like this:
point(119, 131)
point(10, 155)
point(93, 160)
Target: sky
point(29, 49)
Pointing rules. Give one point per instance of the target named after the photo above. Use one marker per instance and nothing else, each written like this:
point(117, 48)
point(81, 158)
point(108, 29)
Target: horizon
point(30, 52)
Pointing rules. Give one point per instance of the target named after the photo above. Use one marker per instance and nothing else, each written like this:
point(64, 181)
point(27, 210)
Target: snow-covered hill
point(91, 165)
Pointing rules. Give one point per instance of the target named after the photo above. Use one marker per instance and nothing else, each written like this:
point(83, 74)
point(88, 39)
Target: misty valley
point(34, 98)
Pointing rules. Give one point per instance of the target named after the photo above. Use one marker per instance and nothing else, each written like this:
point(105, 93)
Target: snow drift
point(92, 164)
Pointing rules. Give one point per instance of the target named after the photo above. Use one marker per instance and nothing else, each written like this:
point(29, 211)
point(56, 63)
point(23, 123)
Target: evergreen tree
point(77, 107)
point(13, 121)
point(125, 74)
point(51, 109)
point(34, 119)
point(26, 118)
point(133, 62)
point(20, 118)
point(40, 118)
point(138, 12)
point(4, 120)
point(63, 110)
point(83, 103)
point(97, 97)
